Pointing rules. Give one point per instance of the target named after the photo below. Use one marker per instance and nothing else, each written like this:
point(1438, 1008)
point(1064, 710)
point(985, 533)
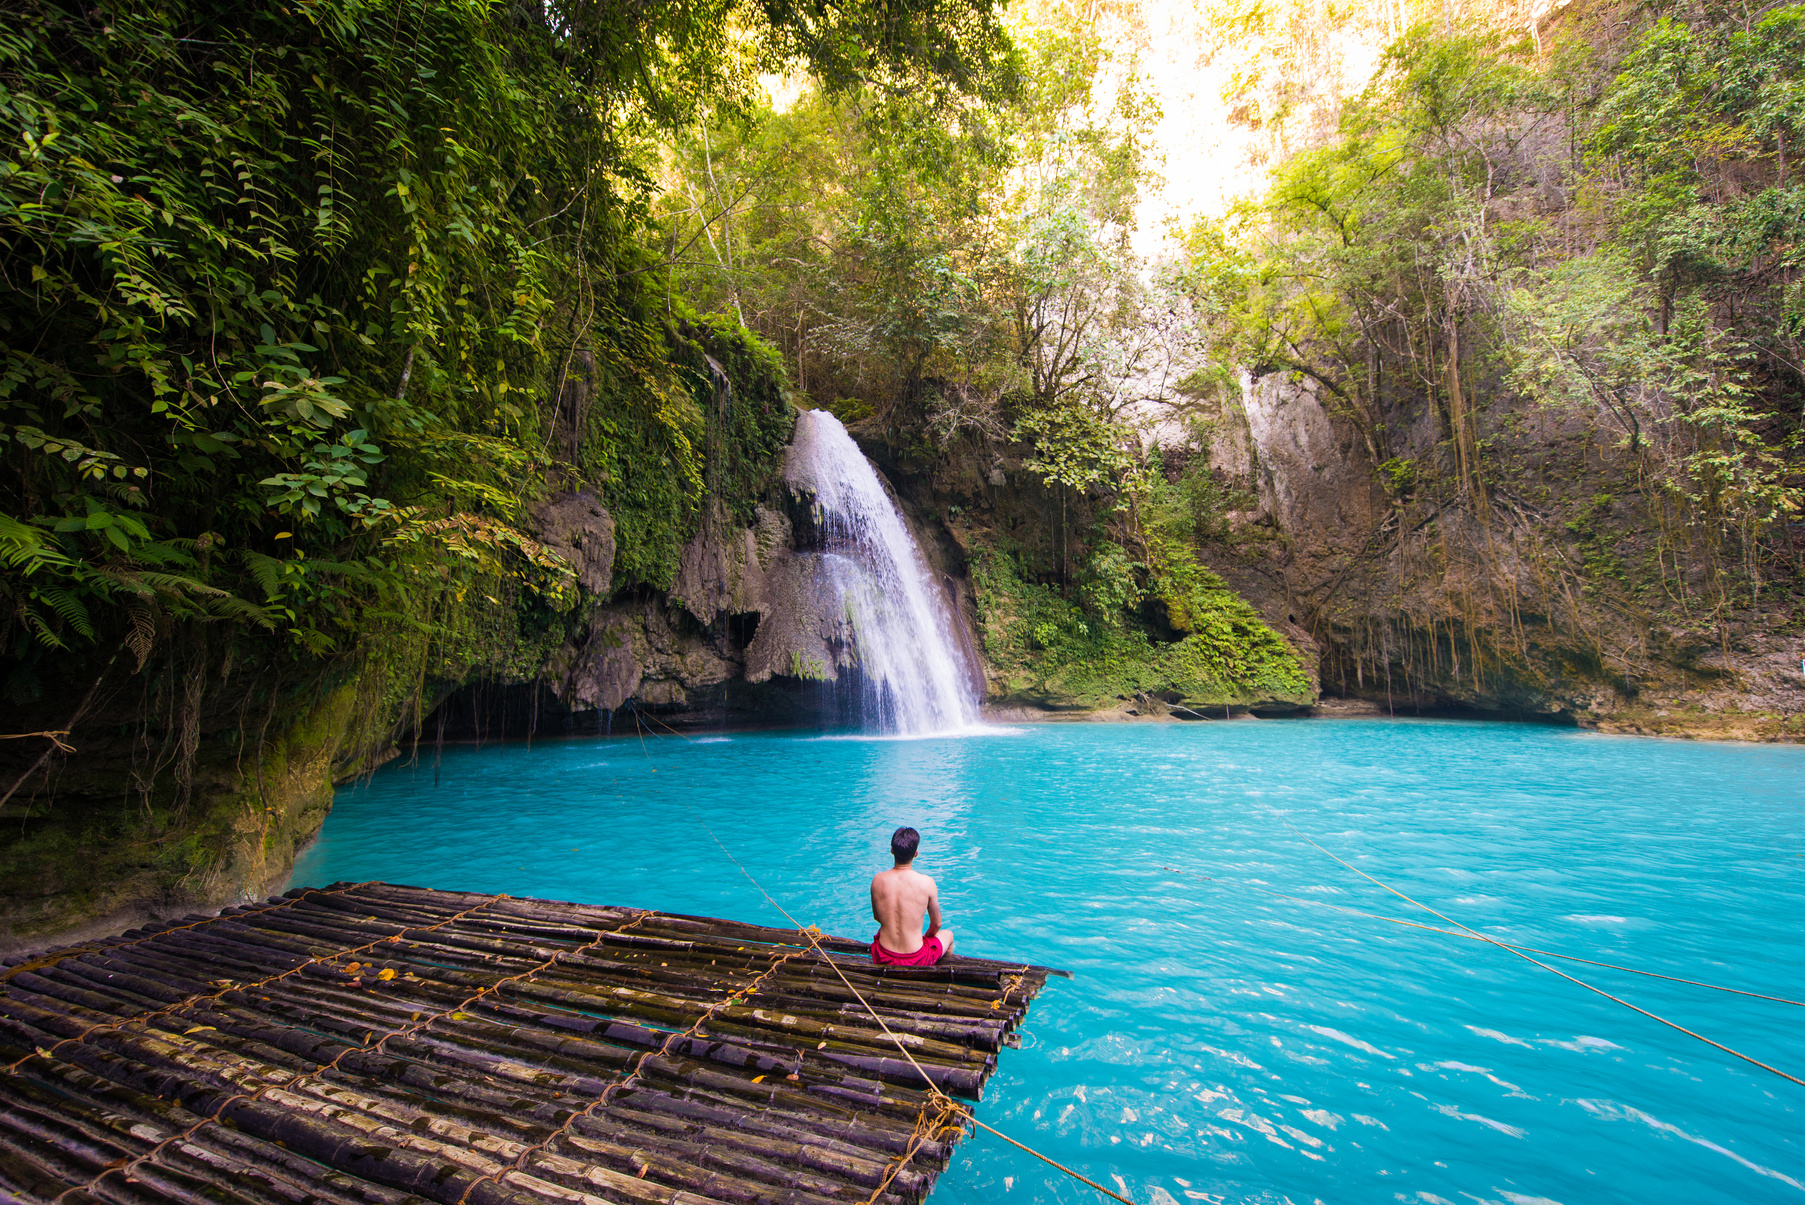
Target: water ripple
point(1220, 1044)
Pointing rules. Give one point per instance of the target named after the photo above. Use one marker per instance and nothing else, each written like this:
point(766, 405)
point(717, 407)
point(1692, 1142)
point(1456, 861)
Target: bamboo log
point(802, 976)
point(40, 1105)
point(861, 1048)
point(241, 1074)
point(254, 934)
point(850, 1093)
point(329, 1184)
point(408, 1162)
point(499, 1066)
point(159, 1183)
point(342, 938)
point(762, 1155)
point(37, 1019)
point(725, 1173)
point(262, 1183)
point(421, 1078)
point(984, 1033)
point(40, 1170)
point(143, 1116)
point(476, 924)
point(74, 1145)
point(177, 968)
point(231, 943)
point(57, 982)
point(591, 1185)
point(150, 1120)
point(850, 1132)
point(356, 930)
point(118, 978)
point(347, 1087)
point(500, 1021)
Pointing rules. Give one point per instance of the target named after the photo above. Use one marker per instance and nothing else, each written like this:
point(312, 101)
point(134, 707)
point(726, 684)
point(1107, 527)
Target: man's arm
point(875, 914)
point(933, 908)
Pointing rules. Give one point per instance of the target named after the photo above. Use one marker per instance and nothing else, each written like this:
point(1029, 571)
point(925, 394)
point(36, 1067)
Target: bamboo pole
point(734, 1065)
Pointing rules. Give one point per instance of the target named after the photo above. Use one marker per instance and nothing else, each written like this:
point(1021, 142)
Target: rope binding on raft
point(485, 1049)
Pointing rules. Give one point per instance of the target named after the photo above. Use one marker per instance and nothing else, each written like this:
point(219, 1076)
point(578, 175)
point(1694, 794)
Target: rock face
point(753, 628)
point(1541, 589)
point(1300, 458)
point(578, 528)
point(110, 849)
point(737, 613)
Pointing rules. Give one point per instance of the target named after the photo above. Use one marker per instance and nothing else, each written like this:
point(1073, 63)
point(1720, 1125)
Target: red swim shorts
point(927, 956)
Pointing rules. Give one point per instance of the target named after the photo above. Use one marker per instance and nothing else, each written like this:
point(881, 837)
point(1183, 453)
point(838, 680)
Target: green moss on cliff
point(98, 850)
point(1044, 648)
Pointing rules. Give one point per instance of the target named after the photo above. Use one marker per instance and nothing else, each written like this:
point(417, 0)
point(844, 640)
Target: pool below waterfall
point(1220, 1043)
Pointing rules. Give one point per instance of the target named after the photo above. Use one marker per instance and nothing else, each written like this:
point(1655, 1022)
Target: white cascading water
point(903, 629)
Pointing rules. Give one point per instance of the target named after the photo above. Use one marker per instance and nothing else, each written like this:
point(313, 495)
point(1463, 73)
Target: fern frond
point(230, 606)
point(164, 552)
point(23, 546)
point(178, 583)
point(67, 604)
point(266, 570)
point(142, 636)
point(39, 628)
point(125, 579)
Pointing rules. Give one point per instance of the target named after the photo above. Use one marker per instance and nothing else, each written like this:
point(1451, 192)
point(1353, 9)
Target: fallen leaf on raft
point(823, 1046)
point(758, 1079)
point(460, 1016)
point(197, 1029)
point(794, 1079)
point(385, 974)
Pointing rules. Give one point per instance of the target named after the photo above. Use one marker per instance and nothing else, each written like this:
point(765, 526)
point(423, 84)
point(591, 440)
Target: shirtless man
point(898, 898)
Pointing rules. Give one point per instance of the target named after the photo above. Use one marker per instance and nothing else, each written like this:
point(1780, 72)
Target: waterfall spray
point(915, 680)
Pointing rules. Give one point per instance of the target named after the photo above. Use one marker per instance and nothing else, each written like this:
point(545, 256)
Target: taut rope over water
point(1551, 970)
point(1395, 920)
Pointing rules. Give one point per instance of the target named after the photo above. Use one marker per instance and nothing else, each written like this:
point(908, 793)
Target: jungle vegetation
point(295, 295)
point(1596, 228)
point(1602, 230)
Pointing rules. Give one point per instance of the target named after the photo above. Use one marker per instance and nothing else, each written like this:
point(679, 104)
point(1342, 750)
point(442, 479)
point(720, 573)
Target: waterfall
point(902, 627)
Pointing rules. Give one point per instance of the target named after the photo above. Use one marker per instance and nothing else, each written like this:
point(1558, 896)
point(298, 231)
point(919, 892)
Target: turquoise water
point(1219, 1044)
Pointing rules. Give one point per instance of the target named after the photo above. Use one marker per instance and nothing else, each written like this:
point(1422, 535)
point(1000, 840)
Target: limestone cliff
point(1555, 591)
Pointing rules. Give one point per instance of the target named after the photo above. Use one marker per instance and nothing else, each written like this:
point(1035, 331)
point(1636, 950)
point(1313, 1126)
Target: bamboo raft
point(368, 1044)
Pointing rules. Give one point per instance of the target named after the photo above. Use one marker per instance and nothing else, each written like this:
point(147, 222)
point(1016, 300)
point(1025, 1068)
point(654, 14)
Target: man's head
point(903, 844)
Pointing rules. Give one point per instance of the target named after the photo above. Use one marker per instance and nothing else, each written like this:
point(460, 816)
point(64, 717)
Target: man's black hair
point(903, 844)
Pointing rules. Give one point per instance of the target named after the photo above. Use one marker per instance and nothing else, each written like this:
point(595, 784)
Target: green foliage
point(719, 419)
point(1074, 447)
point(296, 296)
point(1421, 256)
point(951, 269)
point(1043, 644)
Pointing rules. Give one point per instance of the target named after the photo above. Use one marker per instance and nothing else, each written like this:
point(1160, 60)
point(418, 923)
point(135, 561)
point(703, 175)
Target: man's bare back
point(900, 897)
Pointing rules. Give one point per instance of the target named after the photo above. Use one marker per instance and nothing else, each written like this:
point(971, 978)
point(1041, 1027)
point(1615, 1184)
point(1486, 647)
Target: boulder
point(577, 527)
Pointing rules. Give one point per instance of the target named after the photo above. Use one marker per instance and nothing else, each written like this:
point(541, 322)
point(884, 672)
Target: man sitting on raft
point(899, 896)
